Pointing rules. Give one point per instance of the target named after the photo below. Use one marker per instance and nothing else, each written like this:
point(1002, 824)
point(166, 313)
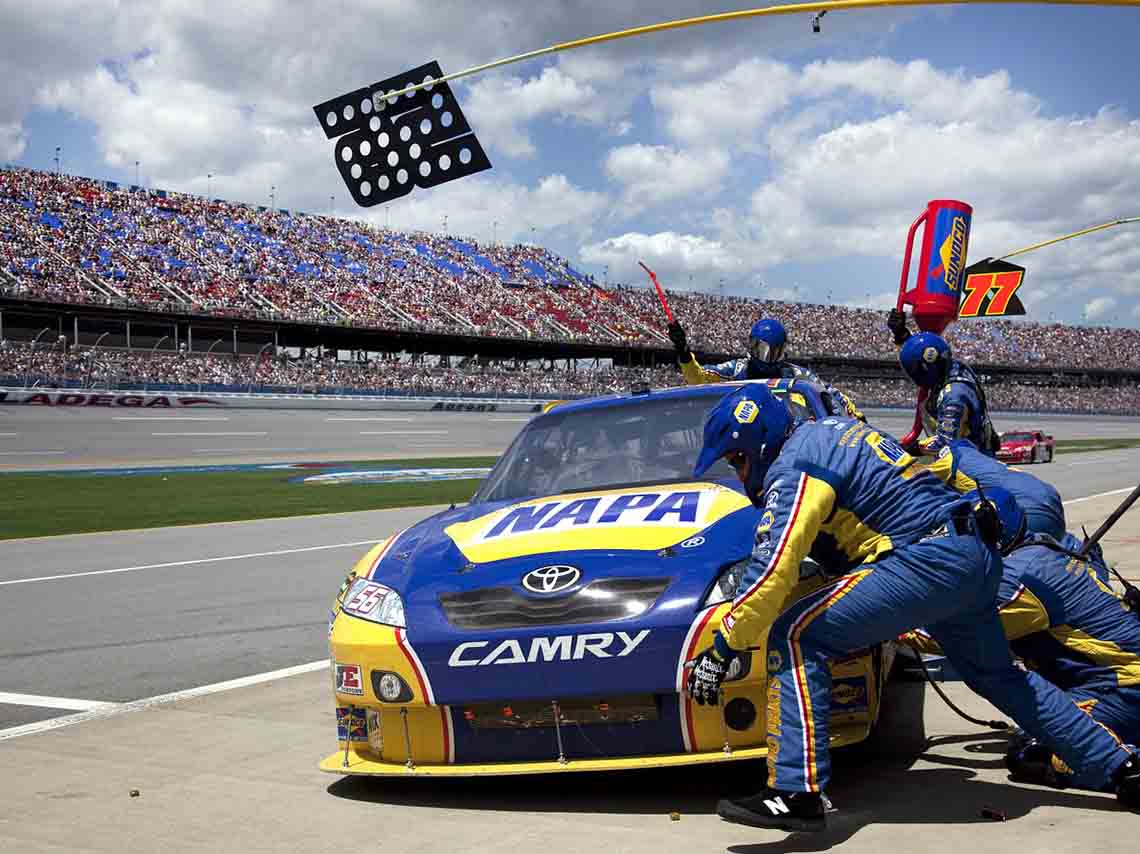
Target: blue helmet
point(752, 421)
point(1012, 522)
point(926, 358)
point(766, 342)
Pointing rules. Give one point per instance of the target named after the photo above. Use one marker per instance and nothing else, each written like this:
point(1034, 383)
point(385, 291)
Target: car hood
point(644, 561)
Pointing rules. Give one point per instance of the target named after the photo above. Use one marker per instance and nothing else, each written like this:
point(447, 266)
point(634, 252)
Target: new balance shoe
point(1127, 781)
point(772, 808)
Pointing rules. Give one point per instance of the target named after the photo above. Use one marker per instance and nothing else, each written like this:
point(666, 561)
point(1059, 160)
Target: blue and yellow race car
point(544, 626)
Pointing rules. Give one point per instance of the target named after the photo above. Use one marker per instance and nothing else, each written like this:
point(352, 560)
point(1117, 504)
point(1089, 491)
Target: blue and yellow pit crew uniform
point(958, 410)
point(1071, 628)
point(1044, 511)
point(741, 369)
point(840, 489)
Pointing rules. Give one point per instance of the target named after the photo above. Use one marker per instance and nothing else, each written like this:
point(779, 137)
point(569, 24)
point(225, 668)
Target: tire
point(1049, 455)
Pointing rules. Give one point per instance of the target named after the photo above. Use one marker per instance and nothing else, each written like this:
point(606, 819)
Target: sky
point(752, 157)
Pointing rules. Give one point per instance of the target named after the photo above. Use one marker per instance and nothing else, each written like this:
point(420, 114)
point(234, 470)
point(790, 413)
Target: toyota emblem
point(551, 579)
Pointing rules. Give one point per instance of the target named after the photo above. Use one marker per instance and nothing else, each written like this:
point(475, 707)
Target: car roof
point(778, 386)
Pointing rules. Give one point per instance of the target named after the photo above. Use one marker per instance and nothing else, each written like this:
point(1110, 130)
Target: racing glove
point(708, 670)
point(680, 342)
point(896, 322)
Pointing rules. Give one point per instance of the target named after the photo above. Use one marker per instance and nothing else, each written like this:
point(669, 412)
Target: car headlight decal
point(374, 602)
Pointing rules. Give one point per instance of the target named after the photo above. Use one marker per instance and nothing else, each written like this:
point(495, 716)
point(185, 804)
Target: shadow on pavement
point(922, 797)
point(883, 791)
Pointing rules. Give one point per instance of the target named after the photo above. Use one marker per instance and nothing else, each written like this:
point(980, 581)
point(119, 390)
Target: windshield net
point(651, 441)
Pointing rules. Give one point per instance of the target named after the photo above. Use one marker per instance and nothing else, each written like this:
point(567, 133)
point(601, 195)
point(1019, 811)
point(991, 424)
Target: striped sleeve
point(696, 375)
point(1021, 612)
point(794, 512)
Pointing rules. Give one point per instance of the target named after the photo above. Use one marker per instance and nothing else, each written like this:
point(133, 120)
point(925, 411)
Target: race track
point(33, 437)
point(118, 617)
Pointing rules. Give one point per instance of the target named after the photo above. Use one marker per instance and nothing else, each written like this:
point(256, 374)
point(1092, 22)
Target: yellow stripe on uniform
point(860, 542)
point(1126, 665)
point(803, 697)
point(1023, 615)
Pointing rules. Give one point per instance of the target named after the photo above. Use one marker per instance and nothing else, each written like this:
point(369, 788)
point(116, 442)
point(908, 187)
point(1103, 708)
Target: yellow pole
point(741, 14)
point(1083, 231)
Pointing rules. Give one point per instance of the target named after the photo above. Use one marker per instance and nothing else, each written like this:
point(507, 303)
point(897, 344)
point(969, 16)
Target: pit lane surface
point(235, 771)
point(62, 438)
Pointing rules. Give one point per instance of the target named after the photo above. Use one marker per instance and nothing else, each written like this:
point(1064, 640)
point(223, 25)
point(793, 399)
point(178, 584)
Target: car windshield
point(628, 444)
point(1017, 437)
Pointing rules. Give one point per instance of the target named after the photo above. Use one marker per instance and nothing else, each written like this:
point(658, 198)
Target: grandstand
point(145, 269)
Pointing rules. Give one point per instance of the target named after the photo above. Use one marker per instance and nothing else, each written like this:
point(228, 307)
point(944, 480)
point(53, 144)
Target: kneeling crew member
point(920, 556)
point(1071, 628)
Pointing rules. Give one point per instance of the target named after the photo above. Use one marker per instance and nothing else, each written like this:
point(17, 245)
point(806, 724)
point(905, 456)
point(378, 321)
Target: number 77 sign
point(990, 290)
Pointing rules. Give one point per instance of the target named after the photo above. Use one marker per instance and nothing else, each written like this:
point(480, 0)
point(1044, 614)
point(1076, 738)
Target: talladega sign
point(86, 398)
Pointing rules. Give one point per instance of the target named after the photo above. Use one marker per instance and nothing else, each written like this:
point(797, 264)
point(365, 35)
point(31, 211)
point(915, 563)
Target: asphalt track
point(72, 437)
point(142, 614)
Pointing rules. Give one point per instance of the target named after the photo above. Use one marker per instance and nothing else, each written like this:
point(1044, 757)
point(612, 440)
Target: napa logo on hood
point(649, 518)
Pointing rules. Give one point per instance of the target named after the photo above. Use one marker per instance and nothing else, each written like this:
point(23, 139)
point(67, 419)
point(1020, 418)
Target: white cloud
point(1099, 307)
point(651, 174)
point(676, 258)
point(12, 140)
point(504, 105)
point(555, 208)
point(731, 106)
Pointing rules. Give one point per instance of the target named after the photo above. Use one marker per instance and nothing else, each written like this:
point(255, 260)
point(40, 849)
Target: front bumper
point(417, 737)
point(359, 760)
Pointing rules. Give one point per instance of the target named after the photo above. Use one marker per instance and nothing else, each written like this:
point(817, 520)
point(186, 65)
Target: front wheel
point(1049, 455)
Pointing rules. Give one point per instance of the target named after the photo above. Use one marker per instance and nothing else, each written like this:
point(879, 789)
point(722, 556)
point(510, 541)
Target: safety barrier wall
point(183, 400)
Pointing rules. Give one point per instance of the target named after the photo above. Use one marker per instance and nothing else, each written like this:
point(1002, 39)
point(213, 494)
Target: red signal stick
point(660, 293)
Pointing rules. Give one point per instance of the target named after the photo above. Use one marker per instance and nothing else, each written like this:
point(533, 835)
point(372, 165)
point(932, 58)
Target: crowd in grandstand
point(68, 239)
point(52, 364)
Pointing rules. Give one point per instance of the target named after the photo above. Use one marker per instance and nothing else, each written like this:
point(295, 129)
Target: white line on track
point(161, 700)
point(8, 435)
point(42, 702)
point(26, 453)
point(193, 562)
point(363, 418)
point(170, 418)
point(239, 433)
point(403, 432)
point(1099, 495)
point(512, 420)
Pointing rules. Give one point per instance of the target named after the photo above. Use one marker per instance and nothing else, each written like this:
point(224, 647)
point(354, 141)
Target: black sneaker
point(1030, 761)
point(779, 810)
point(1127, 781)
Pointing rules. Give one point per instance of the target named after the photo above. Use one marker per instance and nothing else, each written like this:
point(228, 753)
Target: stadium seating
point(75, 240)
point(53, 365)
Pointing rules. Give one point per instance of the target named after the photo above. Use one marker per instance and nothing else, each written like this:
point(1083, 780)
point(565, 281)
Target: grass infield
point(43, 504)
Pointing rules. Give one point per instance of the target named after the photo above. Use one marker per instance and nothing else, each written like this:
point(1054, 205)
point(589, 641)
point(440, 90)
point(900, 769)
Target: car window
point(630, 443)
point(1016, 437)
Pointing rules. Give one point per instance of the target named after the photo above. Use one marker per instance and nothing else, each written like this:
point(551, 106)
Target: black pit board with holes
point(420, 140)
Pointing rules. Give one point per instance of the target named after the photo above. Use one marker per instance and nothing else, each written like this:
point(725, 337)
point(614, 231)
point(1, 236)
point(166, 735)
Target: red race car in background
point(1026, 446)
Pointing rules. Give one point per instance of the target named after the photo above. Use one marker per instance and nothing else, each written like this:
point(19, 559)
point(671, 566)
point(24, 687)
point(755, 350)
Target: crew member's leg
point(1033, 761)
point(976, 646)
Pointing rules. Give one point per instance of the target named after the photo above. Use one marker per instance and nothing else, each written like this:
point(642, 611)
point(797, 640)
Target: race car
point(1026, 446)
point(544, 627)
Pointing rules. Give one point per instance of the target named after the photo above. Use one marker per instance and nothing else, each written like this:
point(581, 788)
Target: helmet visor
point(762, 351)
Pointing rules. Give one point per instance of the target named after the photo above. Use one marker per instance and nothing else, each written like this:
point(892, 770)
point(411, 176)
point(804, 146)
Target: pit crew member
point(766, 343)
point(920, 555)
point(1070, 627)
point(956, 406)
point(1040, 501)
